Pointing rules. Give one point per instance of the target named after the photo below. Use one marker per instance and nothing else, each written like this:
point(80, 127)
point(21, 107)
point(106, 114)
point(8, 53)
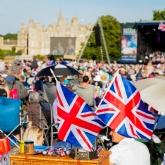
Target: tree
point(2, 54)
point(159, 15)
point(112, 33)
point(9, 36)
point(19, 52)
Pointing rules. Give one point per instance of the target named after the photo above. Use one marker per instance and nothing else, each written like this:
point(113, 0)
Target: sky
point(15, 12)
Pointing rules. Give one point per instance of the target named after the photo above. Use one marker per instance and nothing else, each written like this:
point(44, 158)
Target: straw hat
point(104, 79)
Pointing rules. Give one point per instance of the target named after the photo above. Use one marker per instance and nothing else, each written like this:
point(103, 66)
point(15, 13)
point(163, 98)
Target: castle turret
point(60, 19)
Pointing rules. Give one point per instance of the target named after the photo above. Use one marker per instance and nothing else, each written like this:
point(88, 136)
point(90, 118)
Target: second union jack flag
point(161, 26)
point(78, 123)
point(123, 110)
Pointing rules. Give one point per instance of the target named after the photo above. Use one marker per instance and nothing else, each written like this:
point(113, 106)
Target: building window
point(47, 51)
point(82, 28)
point(23, 43)
point(81, 35)
point(47, 35)
point(46, 43)
point(32, 43)
point(68, 29)
point(32, 51)
point(67, 35)
point(40, 36)
point(39, 43)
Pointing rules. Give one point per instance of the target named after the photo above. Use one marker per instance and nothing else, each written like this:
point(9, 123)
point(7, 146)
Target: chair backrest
point(47, 111)
point(9, 113)
point(49, 93)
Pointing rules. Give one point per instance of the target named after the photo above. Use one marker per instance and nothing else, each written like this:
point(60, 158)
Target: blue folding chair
point(10, 117)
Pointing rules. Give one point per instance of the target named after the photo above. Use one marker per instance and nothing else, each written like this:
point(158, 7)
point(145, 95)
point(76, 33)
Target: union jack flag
point(123, 110)
point(161, 26)
point(78, 124)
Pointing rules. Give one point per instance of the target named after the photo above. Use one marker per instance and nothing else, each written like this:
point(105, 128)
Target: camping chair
point(49, 95)
point(49, 126)
point(11, 117)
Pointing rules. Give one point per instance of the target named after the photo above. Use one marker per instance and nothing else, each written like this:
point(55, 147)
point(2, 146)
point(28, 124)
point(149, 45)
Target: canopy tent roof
point(149, 23)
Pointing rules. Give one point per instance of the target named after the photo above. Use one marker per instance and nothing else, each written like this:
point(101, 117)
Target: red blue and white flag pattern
point(161, 26)
point(123, 110)
point(78, 124)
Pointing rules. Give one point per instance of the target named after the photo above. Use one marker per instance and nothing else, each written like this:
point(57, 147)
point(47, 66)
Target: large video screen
point(62, 45)
point(129, 45)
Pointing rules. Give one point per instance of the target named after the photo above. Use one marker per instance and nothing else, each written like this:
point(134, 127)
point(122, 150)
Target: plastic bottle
point(22, 146)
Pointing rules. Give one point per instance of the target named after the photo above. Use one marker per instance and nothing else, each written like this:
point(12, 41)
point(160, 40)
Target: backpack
point(13, 93)
point(3, 92)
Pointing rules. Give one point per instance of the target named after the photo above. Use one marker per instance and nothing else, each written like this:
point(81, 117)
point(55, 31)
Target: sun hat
point(10, 78)
point(159, 71)
point(97, 78)
point(17, 61)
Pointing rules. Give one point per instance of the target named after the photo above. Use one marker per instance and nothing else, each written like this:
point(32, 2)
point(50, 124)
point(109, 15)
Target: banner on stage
point(129, 45)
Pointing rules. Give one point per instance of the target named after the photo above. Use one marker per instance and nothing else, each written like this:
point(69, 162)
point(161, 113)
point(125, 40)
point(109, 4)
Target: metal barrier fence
point(24, 57)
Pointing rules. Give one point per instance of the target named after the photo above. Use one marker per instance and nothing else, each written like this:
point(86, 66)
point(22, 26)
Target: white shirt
point(130, 152)
point(2, 65)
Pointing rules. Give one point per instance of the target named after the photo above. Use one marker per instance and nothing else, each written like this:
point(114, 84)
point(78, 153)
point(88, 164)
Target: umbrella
point(58, 69)
point(65, 70)
point(45, 71)
point(155, 96)
point(145, 83)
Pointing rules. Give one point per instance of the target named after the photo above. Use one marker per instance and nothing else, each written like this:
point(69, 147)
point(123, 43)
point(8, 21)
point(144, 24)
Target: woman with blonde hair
point(35, 134)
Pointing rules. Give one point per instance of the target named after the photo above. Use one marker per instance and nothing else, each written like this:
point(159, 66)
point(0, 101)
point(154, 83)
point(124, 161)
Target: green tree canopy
point(9, 36)
point(159, 15)
point(112, 33)
point(12, 52)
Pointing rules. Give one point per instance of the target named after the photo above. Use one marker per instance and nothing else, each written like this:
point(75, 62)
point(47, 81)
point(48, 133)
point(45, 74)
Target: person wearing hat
point(128, 151)
point(97, 81)
point(16, 68)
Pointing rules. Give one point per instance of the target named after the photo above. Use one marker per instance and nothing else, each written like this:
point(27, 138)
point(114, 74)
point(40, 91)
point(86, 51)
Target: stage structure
point(151, 40)
point(129, 43)
point(98, 41)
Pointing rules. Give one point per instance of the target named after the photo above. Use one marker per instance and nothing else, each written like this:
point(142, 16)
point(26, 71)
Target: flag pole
point(117, 72)
point(53, 74)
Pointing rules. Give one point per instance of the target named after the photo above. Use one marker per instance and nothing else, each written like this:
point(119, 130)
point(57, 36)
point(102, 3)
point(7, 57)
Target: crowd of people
point(91, 84)
point(18, 79)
